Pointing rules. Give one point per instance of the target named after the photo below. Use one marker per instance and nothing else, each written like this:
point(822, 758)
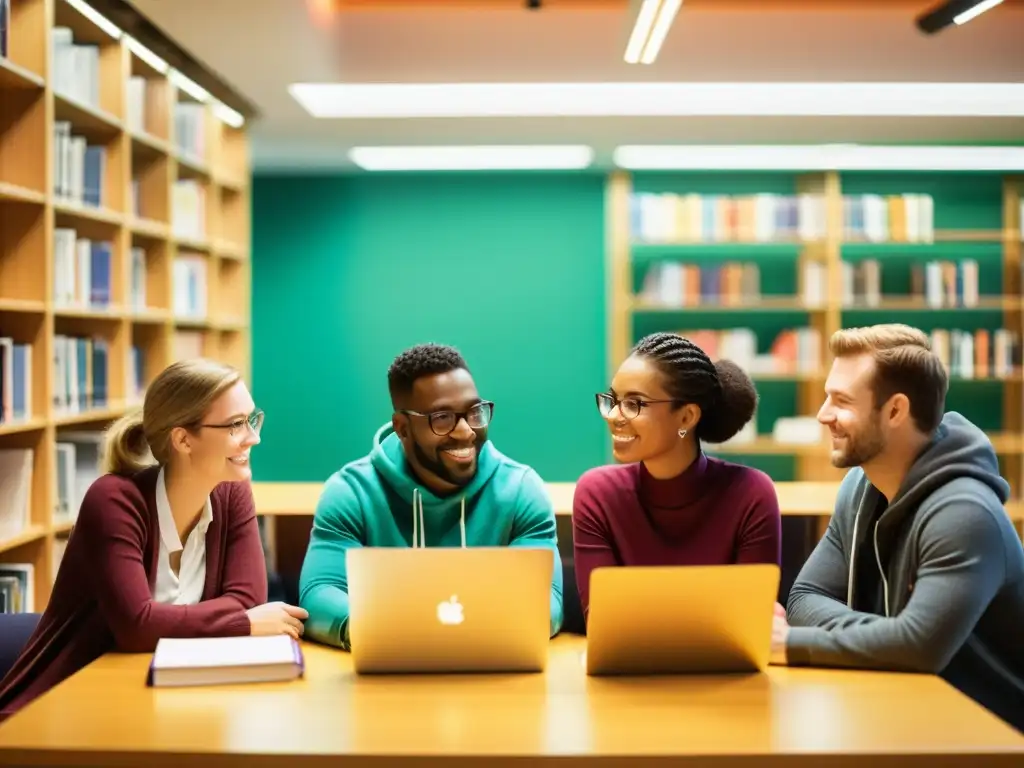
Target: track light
point(653, 21)
point(953, 12)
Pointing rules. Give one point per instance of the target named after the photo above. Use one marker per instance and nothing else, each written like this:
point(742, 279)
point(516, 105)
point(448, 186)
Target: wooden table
point(106, 716)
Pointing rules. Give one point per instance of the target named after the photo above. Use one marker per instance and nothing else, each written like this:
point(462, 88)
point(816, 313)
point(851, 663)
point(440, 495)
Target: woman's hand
point(277, 619)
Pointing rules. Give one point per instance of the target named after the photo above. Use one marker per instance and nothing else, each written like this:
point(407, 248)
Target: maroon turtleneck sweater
point(714, 513)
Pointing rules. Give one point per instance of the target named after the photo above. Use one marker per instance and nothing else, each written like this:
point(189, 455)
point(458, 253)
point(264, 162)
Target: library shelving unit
point(124, 242)
point(763, 266)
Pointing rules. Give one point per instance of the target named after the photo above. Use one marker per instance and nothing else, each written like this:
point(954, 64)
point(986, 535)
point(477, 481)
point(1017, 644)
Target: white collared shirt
point(185, 587)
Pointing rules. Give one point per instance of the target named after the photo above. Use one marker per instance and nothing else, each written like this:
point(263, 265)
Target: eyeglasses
point(443, 423)
point(254, 421)
point(629, 407)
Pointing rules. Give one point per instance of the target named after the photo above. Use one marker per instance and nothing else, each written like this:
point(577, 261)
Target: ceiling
point(262, 46)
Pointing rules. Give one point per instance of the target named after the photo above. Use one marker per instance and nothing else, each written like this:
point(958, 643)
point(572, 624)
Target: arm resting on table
point(591, 541)
point(112, 523)
point(323, 584)
point(534, 525)
point(962, 566)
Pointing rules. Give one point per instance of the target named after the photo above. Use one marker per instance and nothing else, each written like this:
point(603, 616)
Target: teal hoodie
point(371, 502)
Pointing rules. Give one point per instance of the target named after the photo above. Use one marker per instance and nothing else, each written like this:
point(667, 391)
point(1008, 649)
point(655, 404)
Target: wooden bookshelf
point(175, 189)
point(973, 217)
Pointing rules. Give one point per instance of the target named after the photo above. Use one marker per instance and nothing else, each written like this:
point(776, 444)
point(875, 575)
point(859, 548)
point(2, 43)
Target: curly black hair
point(421, 360)
point(724, 393)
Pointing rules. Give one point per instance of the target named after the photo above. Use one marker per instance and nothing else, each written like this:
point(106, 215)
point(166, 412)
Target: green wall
point(510, 268)
point(350, 270)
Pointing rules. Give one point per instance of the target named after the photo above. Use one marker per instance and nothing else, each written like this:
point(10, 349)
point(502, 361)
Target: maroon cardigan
point(102, 599)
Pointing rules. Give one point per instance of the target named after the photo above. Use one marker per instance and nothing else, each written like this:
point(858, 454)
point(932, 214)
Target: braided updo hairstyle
point(723, 391)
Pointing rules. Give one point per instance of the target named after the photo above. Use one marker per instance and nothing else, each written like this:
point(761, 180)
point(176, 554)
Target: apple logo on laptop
point(450, 611)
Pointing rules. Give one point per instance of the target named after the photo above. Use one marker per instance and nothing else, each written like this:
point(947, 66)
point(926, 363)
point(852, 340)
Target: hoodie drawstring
point(462, 522)
point(419, 533)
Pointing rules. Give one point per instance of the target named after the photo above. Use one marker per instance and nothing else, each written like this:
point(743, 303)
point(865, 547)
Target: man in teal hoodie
point(432, 479)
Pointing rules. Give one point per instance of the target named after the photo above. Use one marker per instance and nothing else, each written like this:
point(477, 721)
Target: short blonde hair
point(179, 396)
point(904, 363)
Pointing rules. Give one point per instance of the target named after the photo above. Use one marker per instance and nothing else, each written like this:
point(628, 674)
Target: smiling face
point(653, 434)
point(218, 449)
point(443, 462)
point(857, 428)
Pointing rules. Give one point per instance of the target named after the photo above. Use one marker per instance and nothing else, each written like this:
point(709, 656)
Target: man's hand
point(780, 632)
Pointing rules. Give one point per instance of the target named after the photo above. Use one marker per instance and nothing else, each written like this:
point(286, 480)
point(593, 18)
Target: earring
point(682, 433)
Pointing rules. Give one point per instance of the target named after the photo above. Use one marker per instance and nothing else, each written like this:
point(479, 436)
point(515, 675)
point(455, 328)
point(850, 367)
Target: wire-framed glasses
point(629, 407)
point(253, 421)
point(443, 423)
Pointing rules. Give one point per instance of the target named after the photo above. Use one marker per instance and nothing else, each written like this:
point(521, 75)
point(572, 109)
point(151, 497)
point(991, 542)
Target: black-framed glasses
point(443, 423)
point(254, 421)
point(629, 407)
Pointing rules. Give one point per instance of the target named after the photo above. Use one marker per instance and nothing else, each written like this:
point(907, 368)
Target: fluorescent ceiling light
point(472, 158)
point(146, 55)
point(227, 115)
point(819, 157)
point(953, 12)
point(977, 10)
point(96, 18)
point(193, 89)
point(433, 100)
point(222, 111)
point(653, 21)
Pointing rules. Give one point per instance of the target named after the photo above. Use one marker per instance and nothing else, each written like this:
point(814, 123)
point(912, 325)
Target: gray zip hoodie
point(950, 571)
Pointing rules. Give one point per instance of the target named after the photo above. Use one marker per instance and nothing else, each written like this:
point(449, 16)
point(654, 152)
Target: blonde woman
point(166, 543)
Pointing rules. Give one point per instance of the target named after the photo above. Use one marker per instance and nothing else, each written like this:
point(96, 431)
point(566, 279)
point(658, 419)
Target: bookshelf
point(124, 244)
point(764, 266)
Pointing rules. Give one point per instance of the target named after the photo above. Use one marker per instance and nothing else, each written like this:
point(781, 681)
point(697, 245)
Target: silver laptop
point(680, 619)
point(479, 609)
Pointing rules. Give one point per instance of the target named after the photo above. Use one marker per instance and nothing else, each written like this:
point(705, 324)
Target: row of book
point(906, 218)
point(190, 285)
point(5, 27)
point(82, 276)
point(79, 168)
point(792, 351)
point(15, 380)
point(188, 209)
point(675, 284)
point(17, 588)
point(136, 375)
point(137, 279)
point(78, 466)
point(692, 218)
point(136, 98)
point(978, 354)
point(82, 374)
point(75, 67)
point(679, 284)
point(83, 270)
point(16, 465)
point(190, 129)
point(937, 284)
point(81, 367)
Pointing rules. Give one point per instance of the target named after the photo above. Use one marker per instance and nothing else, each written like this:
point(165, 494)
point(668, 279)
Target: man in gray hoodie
point(920, 569)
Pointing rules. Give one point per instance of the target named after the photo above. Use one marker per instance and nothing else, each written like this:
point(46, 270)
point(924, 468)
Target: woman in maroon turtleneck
point(666, 502)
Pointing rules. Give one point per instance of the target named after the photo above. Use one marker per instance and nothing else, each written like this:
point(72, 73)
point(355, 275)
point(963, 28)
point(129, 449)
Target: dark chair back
point(15, 630)
point(573, 621)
